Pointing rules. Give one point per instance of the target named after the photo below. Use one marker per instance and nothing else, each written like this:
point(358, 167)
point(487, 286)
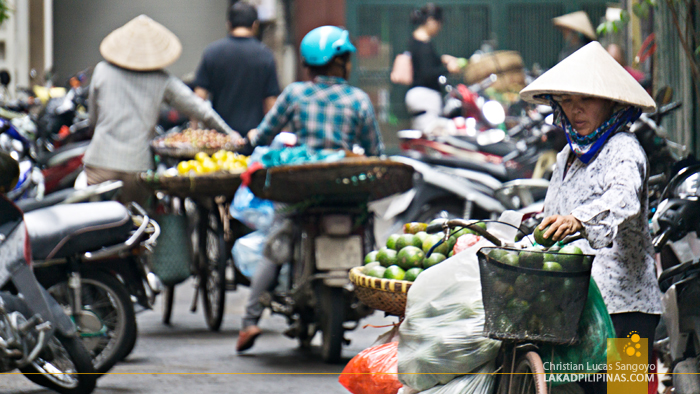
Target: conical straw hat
point(141, 45)
point(576, 21)
point(590, 71)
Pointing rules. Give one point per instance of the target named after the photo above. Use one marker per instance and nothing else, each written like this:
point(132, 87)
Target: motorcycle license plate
point(334, 253)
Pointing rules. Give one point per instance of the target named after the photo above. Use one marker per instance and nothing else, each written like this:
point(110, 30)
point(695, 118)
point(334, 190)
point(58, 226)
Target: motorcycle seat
point(495, 170)
point(65, 230)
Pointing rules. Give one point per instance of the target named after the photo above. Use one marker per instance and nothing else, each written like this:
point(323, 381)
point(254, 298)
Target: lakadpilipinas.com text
point(618, 372)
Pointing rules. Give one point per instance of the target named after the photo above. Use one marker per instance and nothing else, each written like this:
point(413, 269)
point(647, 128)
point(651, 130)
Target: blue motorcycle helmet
point(324, 43)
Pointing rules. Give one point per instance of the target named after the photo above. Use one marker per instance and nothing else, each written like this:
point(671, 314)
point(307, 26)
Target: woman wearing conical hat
point(126, 92)
point(577, 30)
point(599, 186)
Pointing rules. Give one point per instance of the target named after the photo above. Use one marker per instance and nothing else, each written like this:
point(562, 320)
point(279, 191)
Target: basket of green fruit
point(384, 280)
point(534, 294)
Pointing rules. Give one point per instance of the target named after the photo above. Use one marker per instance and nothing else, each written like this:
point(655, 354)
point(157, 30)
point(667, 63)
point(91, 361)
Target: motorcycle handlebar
point(470, 224)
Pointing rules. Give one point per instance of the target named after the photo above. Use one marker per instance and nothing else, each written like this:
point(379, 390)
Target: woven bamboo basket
point(210, 185)
point(388, 295)
point(507, 65)
point(348, 180)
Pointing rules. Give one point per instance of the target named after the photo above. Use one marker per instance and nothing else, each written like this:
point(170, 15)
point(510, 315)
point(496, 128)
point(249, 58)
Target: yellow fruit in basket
point(198, 168)
point(220, 155)
point(183, 167)
point(209, 166)
point(201, 156)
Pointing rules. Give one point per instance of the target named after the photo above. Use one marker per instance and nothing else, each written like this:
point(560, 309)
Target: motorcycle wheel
point(106, 299)
point(67, 369)
point(332, 318)
point(685, 377)
point(212, 268)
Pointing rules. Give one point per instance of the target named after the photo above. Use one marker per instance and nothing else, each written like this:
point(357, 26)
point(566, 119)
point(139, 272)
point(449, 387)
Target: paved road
point(187, 358)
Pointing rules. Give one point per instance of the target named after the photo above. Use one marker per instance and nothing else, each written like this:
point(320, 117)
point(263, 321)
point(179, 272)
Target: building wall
point(80, 26)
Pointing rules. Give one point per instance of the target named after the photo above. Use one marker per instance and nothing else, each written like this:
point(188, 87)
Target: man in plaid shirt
point(324, 114)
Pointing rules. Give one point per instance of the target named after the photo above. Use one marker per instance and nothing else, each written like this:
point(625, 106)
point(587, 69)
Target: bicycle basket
point(533, 295)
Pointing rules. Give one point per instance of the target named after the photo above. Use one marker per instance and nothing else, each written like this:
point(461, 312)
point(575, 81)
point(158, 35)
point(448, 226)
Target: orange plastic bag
point(373, 371)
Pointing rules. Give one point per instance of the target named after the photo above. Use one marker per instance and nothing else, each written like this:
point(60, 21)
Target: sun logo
point(632, 348)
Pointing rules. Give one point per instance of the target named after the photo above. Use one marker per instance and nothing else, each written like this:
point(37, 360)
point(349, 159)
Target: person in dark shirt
point(577, 31)
point(238, 72)
point(424, 99)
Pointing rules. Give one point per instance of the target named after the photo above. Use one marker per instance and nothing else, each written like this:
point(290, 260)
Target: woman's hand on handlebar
point(560, 226)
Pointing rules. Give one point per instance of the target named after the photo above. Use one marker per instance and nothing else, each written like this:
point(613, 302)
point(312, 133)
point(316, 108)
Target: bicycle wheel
point(212, 267)
point(529, 375)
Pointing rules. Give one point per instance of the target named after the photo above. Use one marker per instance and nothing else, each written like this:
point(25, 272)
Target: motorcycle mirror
point(493, 112)
point(663, 96)
point(9, 172)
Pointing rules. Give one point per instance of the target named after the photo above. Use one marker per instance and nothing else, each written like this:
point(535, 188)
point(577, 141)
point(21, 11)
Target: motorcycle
point(675, 225)
point(90, 257)
point(36, 336)
point(321, 243)
point(42, 172)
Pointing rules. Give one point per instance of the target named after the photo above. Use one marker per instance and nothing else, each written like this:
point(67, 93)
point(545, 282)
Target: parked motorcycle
point(36, 336)
point(42, 171)
point(90, 257)
point(676, 224)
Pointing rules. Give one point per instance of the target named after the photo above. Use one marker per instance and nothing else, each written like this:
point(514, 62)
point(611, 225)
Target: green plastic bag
point(171, 255)
point(594, 329)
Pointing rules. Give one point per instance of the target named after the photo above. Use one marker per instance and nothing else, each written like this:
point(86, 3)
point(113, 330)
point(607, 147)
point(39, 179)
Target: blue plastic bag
point(252, 211)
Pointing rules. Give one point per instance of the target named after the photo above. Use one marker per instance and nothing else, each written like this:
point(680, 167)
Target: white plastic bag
point(247, 252)
point(442, 335)
point(482, 382)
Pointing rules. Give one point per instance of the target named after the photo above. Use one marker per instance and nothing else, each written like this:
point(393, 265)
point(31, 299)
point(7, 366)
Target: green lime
point(414, 227)
point(540, 239)
point(481, 224)
point(516, 309)
point(551, 266)
point(570, 257)
point(422, 235)
point(530, 259)
point(543, 302)
point(586, 262)
point(394, 272)
point(527, 286)
point(511, 259)
point(386, 257)
point(535, 326)
point(408, 240)
point(503, 289)
point(464, 231)
point(452, 253)
point(369, 266)
point(563, 288)
point(377, 272)
point(391, 241)
point(497, 254)
point(435, 258)
point(451, 242)
point(412, 274)
point(503, 324)
point(371, 256)
point(410, 257)
point(432, 240)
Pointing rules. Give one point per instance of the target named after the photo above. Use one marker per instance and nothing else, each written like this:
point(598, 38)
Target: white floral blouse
point(609, 197)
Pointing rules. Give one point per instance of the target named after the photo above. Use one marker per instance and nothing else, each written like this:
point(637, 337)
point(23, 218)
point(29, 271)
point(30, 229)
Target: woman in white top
point(599, 186)
point(126, 92)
